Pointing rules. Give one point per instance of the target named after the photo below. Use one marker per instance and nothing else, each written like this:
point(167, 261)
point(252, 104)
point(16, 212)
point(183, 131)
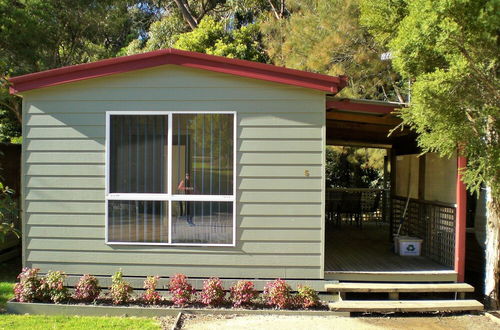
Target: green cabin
point(178, 162)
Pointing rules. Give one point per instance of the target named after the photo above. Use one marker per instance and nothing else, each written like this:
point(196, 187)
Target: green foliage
point(325, 36)
point(162, 34)
point(348, 167)
point(10, 130)
point(150, 296)
point(120, 290)
point(28, 287)
point(9, 213)
point(450, 48)
point(52, 287)
point(38, 35)
point(307, 297)
point(210, 37)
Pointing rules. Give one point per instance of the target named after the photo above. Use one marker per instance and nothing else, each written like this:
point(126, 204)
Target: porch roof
point(365, 123)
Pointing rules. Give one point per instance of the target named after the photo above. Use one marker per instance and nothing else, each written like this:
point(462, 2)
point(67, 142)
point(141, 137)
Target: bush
point(87, 289)
point(242, 293)
point(151, 296)
point(181, 290)
point(52, 287)
point(120, 289)
point(27, 290)
point(277, 294)
point(307, 297)
point(212, 293)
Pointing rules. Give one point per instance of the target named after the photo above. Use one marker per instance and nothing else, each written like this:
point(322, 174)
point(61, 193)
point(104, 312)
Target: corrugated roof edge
point(220, 64)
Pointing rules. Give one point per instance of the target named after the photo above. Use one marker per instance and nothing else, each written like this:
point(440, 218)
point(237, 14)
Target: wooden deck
point(368, 250)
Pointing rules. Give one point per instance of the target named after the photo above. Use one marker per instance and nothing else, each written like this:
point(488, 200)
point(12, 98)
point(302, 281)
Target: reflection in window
point(202, 222)
point(200, 147)
point(202, 152)
point(138, 221)
point(138, 158)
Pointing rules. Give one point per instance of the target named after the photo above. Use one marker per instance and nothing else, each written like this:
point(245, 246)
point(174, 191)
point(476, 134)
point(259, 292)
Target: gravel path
point(434, 322)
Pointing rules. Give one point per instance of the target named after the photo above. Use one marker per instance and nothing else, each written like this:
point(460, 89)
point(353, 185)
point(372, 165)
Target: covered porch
point(420, 193)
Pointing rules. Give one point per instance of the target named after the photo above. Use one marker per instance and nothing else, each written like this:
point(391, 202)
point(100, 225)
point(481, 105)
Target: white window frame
point(169, 196)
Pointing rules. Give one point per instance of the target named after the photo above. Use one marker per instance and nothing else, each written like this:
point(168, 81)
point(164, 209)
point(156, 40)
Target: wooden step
point(382, 306)
point(399, 287)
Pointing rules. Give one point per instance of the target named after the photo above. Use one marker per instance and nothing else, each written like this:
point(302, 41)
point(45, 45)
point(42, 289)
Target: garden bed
point(147, 311)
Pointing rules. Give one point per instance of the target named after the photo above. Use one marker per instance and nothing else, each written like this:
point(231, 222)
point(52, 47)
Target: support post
point(461, 215)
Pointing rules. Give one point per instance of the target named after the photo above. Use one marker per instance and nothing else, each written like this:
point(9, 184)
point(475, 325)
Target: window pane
point(202, 222)
point(138, 154)
point(202, 154)
point(137, 221)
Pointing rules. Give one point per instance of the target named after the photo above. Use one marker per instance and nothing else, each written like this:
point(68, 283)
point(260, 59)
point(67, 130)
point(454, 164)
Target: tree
point(350, 167)
point(224, 28)
point(37, 35)
point(325, 36)
point(449, 49)
point(9, 213)
point(212, 37)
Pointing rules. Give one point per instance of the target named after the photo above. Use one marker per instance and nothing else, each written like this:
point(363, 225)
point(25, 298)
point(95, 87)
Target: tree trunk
point(492, 273)
point(186, 13)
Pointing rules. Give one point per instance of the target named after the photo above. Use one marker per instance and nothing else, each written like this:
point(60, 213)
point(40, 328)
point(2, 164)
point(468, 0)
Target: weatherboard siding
point(280, 135)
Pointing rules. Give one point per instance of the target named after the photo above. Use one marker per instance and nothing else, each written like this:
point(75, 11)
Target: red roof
point(220, 64)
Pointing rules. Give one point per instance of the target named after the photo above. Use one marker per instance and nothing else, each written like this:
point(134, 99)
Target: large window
point(170, 178)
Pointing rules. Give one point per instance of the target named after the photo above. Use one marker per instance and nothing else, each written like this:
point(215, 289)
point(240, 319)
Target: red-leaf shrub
point(277, 294)
point(27, 288)
point(181, 290)
point(151, 296)
point(307, 297)
point(87, 289)
point(242, 293)
point(121, 290)
point(212, 293)
point(52, 287)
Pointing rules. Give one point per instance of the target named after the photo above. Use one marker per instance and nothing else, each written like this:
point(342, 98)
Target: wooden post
point(421, 177)
point(461, 215)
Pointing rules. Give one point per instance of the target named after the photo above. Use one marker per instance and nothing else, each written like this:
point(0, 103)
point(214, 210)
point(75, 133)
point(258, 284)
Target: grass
point(8, 274)
point(5, 293)
point(34, 322)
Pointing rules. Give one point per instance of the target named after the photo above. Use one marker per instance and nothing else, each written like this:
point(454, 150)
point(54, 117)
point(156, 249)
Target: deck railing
point(434, 222)
point(364, 204)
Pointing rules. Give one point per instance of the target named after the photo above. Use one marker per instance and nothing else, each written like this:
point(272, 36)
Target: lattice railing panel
point(431, 221)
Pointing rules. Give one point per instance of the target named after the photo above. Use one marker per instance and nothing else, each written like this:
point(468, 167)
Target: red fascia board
point(220, 64)
point(361, 107)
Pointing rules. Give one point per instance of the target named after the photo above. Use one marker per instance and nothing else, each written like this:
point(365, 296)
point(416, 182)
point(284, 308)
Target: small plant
point(277, 294)
point(181, 290)
point(52, 287)
point(9, 213)
point(87, 289)
point(212, 293)
point(307, 297)
point(27, 290)
point(242, 293)
point(151, 296)
point(120, 289)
